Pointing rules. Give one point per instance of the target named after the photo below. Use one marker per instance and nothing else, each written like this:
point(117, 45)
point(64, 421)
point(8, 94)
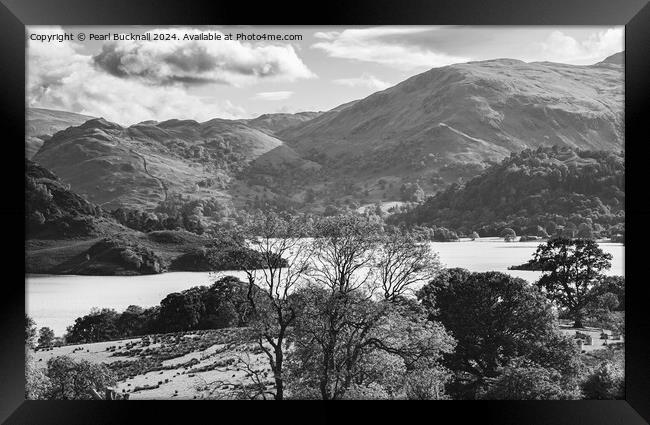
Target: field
point(210, 364)
point(213, 364)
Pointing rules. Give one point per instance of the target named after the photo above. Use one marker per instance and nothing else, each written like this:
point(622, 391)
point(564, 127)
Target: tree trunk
point(279, 384)
point(577, 322)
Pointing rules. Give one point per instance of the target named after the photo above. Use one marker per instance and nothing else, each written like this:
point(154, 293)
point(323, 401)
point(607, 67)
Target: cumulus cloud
point(398, 47)
point(60, 77)
point(365, 80)
point(560, 47)
point(201, 61)
point(274, 95)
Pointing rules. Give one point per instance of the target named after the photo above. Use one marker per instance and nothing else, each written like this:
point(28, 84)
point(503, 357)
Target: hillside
point(67, 234)
point(141, 165)
point(535, 191)
point(465, 114)
point(41, 124)
point(274, 123)
point(443, 126)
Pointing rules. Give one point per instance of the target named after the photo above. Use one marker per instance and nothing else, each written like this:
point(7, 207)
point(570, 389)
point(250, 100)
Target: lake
point(56, 301)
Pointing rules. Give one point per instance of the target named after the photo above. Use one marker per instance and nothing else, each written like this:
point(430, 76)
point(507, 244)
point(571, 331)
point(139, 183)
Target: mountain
point(546, 188)
point(443, 126)
point(449, 119)
point(67, 234)
point(273, 123)
point(616, 59)
point(41, 124)
point(140, 165)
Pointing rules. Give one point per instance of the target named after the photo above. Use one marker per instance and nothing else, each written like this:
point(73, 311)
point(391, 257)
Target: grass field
point(214, 364)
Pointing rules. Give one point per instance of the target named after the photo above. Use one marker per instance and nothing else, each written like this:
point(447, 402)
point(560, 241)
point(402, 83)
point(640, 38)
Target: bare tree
point(278, 261)
point(340, 319)
point(402, 262)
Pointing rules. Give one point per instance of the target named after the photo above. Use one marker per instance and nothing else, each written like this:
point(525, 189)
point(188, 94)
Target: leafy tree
point(341, 331)
point(36, 383)
point(508, 234)
point(182, 311)
point(613, 285)
point(495, 318)
point(571, 268)
point(607, 382)
point(99, 325)
point(74, 380)
point(585, 231)
point(411, 192)
point(30, 331)
point(45, 336)
point(529, 382)
point(426, 384)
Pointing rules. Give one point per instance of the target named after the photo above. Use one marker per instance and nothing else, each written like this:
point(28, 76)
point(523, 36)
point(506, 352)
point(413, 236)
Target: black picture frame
point(634, 14)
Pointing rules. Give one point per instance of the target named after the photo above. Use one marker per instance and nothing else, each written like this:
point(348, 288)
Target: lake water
point(56, 301)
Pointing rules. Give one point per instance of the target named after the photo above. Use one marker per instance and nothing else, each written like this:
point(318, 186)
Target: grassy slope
point(219, 370)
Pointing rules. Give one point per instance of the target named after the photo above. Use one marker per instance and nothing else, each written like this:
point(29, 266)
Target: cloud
point(274, 95)
point(201, 61)
point(559, 47)
point(398, 47)
point(365, 81)
point(60, 77)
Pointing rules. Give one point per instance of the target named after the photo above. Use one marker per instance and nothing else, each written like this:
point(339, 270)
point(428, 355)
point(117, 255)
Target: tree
point(585, 231)
point(411, 192)
point(508, 234)
point(36, 383)
point(283, 261)
point(30, 331)
point(401, 262)
point(46, 335)
point(607, 382)
point(183, 311)
point(571, 268)
point(529, 382)
point(99, 325)
point(495, 318)
point(342, 331)
point(613, 285)
point(74, 380)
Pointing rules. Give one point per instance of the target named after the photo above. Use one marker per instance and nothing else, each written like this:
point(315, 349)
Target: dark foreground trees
point(498, 322)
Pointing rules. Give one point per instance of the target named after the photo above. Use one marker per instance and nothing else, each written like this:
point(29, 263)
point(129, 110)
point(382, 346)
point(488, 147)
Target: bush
point(607, 382)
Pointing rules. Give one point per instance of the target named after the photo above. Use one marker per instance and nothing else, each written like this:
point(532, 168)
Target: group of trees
point(566, 192)
point(221, 305)
point(175, 212)
point(52, 209)
point(335, 315)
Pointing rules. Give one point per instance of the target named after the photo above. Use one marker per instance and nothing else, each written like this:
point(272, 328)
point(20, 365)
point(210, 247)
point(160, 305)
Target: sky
point(132, 81)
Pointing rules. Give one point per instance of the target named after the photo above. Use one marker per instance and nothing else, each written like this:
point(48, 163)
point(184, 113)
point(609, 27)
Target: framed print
point(375, 201)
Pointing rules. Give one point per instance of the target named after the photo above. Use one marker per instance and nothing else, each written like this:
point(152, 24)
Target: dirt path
point(146, 170)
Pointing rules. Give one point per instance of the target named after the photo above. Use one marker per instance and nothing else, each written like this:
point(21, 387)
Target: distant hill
point(273, 123)
point(444, 126)
point(41, 124)
point(547, 188)
point(443, 119)
point(141, 164)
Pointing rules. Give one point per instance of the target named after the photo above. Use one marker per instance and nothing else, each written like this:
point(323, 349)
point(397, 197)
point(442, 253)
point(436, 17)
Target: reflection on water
point(55, 301)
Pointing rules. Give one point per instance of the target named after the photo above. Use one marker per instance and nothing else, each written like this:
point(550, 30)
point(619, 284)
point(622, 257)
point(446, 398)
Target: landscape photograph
point(325, 212)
